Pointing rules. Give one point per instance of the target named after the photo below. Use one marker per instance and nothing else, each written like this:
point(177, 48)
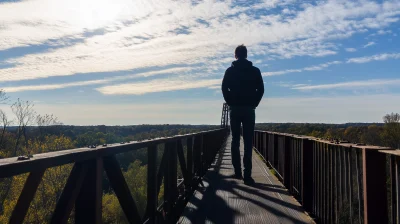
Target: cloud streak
point(369, 44)
point(373, 83)
point(358, 60)
point(377, 57)
point(176, 70)
point(350, 49)
point(153, 86)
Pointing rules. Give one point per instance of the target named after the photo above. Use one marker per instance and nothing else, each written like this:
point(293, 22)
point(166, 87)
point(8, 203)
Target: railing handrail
point(12, 166)
point(347, 145)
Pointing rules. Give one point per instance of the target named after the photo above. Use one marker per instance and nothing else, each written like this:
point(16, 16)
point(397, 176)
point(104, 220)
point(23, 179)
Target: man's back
point(243, 89)
point(242, 84)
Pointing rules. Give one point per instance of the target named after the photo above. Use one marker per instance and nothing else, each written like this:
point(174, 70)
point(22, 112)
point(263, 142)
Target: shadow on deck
point(227, 200)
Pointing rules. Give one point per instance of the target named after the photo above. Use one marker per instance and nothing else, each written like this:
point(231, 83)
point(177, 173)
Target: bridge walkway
point(224, 199)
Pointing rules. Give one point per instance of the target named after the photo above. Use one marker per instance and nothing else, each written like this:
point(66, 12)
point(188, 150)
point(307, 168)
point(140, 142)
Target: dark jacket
point(243, 84)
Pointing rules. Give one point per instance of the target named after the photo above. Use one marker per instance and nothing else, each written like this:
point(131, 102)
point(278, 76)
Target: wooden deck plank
point(227, 200)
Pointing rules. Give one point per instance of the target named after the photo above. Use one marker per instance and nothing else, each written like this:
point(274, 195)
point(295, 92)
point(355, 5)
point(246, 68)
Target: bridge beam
point(374, 183)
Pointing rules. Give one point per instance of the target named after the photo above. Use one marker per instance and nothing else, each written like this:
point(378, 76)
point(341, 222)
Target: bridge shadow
point(226, 200)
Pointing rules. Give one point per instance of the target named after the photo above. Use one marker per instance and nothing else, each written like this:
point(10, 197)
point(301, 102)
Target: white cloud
point(369, 44)
point(381, 32)
point(51, 86)
point(309, 68)
point(218, 87)
point(374, 83)
point(143, 34)
point(281, 72)
point(377, 57)
point(322, 66)
point(12, 89)
point(350, 49)
point(157, 85)
point(299, 85)
point(288, 11)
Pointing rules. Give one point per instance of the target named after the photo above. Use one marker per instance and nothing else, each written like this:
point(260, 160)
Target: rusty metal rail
point(84, 185)
point(335, 182)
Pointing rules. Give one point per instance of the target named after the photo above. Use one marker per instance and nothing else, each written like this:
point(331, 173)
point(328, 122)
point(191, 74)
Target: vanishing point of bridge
point(299, 179)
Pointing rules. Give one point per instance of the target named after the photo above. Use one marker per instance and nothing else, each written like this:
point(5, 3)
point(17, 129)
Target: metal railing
point(393, 161)
point(336, 182)
point(83, 188)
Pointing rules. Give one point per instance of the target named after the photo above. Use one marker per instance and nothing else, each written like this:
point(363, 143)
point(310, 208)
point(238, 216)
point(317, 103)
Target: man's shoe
point(237, 176)
point(249, 181)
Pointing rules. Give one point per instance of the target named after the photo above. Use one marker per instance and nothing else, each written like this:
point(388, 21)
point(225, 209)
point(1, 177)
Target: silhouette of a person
point(243, 88)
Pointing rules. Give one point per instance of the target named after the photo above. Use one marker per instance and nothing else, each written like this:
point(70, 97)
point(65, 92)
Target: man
point(243, 88)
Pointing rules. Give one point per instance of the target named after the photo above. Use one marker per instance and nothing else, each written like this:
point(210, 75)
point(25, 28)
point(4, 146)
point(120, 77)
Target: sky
point(123, 62)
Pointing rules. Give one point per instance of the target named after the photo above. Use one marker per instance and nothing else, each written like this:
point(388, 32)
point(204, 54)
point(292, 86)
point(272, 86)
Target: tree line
point(386, 133)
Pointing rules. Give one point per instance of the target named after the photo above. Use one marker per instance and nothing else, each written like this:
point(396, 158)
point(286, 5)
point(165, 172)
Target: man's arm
point(260, 87)
point(225, 88)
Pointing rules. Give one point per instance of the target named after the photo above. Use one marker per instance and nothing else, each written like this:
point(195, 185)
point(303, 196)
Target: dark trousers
point(245, 116)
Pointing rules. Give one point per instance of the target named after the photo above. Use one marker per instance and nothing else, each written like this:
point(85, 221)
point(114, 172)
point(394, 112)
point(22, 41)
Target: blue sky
point(133, 62)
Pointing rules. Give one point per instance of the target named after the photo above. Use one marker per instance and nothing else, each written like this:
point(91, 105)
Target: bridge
point(299, 179)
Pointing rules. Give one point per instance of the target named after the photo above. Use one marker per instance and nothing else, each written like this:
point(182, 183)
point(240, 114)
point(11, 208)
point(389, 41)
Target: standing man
point(243, 88)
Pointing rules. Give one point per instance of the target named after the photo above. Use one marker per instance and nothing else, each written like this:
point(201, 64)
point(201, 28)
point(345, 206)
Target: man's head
point(241, 52)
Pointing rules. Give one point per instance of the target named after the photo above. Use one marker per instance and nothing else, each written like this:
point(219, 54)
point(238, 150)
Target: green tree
point(352, 134)
point(372, 135)
point(391, 132)
point(49, 189)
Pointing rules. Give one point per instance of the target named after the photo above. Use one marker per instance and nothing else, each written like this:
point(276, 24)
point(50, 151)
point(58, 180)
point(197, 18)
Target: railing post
point(152, 194)
point(319, 184)
point(331, 185)
point(254, 139)
point(182, 161)
point(287, 160)
point(275, 151)
point(307, 171)
point(257, 139)
point(206, 152)
point(374, 183)
point(88, 204)
point(397, 196)
point(350, 181)
point(170, 184)
point(324, 183)
point(189, 146)
point(198, 148)
point(393, 188)
point(271, 149)
point(265, 145)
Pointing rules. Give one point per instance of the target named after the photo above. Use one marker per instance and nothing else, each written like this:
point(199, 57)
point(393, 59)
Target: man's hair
point(241, 52)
